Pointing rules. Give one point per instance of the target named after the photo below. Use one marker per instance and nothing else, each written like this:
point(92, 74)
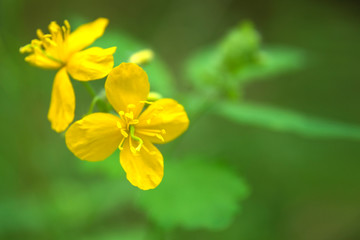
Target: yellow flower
point(62, 50)
point(98, 135)
point(142, 57)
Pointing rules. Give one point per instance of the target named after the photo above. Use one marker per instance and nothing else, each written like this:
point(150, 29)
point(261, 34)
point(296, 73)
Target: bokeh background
point(225, 179)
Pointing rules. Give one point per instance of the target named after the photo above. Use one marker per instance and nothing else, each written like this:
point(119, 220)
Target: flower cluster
point(138, 124)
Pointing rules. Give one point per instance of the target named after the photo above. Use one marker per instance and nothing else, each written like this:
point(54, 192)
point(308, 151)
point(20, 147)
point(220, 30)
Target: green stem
point(89, 89)
point(92, 105)
point(97, 99)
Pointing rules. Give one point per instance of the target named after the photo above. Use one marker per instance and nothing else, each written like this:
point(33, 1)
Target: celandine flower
point(98, 135)
point(62, 50)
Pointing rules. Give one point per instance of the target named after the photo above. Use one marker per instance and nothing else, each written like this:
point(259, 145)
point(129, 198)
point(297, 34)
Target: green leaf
point(204, 70)
point(240, 47)
point(287, 121)
point(195, 194)
point(134, 233)
point(274, 61)
point(237, 59)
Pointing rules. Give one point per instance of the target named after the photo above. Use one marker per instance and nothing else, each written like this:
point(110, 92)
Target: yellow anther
point(133, 150)
point(133, 122)
point(54, 28)
point(130, 115)
point(122, 143)
point(138, 148)
point(118, 124)
point(36, 42)
point(160, 137)
point(124, 133)
point(26, 49)
point(49, 41)
point(39, 33)
point(67, 24)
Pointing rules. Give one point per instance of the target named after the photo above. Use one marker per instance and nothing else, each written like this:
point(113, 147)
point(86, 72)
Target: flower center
point(50, 45)
point(127, 127)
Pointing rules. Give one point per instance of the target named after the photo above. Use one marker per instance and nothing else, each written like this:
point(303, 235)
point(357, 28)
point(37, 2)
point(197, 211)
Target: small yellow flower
point(62, 50)
point(142, 57)
point(98, 135)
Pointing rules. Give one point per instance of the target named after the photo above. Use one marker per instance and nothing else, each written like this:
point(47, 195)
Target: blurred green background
point(239, 172)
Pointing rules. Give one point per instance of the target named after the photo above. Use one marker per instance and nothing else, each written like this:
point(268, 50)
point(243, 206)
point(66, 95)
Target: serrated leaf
point(195, 194)
point(286, 121)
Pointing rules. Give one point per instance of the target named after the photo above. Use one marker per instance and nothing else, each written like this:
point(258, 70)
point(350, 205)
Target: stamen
point(27, 49)
point(124, 133)
point(132, 148)
point(50, 42)
point(39, 33)
point(133, 122)
point(132, 134)
point(160, 137)
point(147, 102)
point(153, 133)
point(147, 150)
point(39, 50)
point(121, 145)
point(63, 28)
point(121, 114)
point(67, 24)
point(130, 115)
point(162, 131)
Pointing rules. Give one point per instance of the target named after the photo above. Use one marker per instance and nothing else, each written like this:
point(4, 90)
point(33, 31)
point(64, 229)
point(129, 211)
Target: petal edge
point(62, 103)
point(95, 137)
point(144, 169)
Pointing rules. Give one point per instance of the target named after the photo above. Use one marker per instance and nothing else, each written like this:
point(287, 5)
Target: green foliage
point(138, 233)
point(237, 59)
point(195, 194)
point(240, 47)
point(273, 61)
point(48, 194)
point(283, 120)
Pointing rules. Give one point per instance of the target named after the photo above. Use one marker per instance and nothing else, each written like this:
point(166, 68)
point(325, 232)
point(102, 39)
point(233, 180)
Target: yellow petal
point(165, 117)
point(86, 34)
point(144, 169)
point(40, 60)
point(90, 64)
point(127, 84)
point(95, 137)
point(62, 105)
